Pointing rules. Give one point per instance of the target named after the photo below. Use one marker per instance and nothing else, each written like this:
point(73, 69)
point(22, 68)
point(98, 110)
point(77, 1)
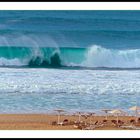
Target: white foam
point(11, 62)
point(39, 90)
point(97, 56)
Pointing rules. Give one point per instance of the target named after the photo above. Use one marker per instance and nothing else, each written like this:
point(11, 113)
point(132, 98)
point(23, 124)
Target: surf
point(94, 56)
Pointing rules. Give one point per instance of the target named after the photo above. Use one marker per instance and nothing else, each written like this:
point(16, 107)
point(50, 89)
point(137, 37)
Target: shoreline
point(44, 122)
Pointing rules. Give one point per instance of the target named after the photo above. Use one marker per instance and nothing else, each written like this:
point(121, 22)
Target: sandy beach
point(44, 122)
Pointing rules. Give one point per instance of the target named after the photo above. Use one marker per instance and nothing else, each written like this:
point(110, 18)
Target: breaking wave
point(91, 57)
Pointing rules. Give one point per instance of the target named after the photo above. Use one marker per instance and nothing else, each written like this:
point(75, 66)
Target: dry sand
point(44, 122)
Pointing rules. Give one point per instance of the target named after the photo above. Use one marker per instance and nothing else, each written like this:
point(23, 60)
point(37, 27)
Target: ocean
point(72, 60)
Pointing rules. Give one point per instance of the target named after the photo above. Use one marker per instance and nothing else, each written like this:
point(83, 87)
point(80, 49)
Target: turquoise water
point(75, 38)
